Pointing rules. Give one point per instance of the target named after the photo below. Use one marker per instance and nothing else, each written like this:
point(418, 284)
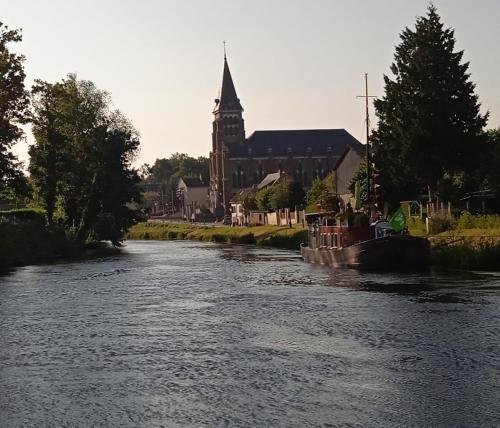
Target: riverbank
point(460, 249)
point(29, 241)
point(268, 236)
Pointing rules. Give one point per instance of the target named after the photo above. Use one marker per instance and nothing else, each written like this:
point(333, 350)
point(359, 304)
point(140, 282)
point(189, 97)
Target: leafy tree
point(429, 119)
point(263, 198)
point(324, 193)
point(14, 104)
point(491, 170)
point(298, 196)
point(286, 194)
point(48, 155)
point(280, 196)
point(81, 163)
point(248, 200)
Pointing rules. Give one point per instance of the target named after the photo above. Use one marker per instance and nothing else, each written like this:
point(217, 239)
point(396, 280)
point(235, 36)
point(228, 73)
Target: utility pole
point(368, 155)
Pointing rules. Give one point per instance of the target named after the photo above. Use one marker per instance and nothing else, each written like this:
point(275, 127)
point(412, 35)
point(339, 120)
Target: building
point(237, 162)
point(193, 196)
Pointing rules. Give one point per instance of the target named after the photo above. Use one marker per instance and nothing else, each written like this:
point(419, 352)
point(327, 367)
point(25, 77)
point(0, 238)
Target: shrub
point(439, 224)
point(23, 215)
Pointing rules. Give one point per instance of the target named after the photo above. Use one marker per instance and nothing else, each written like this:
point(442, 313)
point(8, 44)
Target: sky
point(296, 64)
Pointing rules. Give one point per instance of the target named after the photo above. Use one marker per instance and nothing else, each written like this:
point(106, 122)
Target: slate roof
point(228, 98)
point(269, 180)
point(303, 143)
point(193, 182)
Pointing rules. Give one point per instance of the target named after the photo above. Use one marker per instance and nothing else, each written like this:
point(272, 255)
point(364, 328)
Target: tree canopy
point(14, 105)
point(324, 193)
point(81, 162)
point(429, 118)
point(284, 194)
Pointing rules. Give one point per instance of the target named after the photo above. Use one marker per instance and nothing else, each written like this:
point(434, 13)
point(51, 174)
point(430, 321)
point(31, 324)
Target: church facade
point(238, 162)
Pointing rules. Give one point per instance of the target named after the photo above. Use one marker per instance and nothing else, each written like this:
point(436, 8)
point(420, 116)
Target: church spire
point(228, 101)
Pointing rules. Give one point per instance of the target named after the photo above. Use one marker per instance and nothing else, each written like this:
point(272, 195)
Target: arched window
point(306, 183)
point(299, 172)
point(235, 179)
point(260, 172)
point(243, 179)
point(239, 176)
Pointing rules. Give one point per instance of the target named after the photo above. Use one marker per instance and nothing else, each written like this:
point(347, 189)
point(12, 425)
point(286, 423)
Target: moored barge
point(377, 246)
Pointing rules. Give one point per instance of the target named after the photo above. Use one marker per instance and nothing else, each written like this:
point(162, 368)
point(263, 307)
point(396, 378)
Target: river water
point(204, 335)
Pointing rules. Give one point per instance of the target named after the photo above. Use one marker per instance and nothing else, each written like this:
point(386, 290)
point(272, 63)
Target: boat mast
point(368, 157)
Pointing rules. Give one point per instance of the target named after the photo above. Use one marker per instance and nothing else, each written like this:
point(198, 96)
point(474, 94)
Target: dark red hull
point(395, 252)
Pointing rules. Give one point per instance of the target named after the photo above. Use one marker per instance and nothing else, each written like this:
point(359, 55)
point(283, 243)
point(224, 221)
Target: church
point(238, 162)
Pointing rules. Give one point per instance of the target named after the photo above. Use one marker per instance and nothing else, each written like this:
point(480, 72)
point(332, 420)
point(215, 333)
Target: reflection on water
point(190, 334)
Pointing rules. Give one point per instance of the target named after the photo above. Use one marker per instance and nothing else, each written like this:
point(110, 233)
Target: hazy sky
point(296, 64)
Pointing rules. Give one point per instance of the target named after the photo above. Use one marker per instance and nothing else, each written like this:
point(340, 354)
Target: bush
point(466, 256)
point(23, 215)
point(469, 221)
point(439, 224)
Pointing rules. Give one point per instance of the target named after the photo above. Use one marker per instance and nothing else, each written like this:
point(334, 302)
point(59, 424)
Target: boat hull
point(395, 252)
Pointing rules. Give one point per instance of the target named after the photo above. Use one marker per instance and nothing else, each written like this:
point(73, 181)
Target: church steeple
point(228, 100)
point(228, 131)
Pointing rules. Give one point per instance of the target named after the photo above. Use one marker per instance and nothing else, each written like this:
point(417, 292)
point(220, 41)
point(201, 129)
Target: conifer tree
point(429, 118)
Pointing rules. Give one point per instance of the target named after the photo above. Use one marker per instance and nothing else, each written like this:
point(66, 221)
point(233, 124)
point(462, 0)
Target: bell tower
point(228, 128)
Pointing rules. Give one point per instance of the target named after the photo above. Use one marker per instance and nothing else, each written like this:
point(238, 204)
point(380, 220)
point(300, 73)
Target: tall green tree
point(324, 193)
point(429, 118)
point(14, 104)
point(81, 162)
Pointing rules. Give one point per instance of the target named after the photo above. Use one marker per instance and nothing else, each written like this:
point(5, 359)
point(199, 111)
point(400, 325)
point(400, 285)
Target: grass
point(473, 248)
point(269, 236)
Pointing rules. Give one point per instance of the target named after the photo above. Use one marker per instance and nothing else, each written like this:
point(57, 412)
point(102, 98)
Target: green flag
point(398, 220)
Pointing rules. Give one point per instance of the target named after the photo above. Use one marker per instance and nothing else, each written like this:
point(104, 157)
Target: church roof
point(228, 98)
point(296, 143)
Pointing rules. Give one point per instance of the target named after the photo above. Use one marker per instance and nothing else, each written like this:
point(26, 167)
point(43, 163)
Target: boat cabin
point(329, 232)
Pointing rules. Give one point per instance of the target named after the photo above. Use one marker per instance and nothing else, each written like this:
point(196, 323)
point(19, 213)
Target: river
point(203, 335)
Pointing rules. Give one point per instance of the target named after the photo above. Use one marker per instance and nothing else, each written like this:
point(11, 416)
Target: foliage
point(324, 193)
point(439, 224)
point(284, 194)
point(14, 104)
point(490, 163)
point(469, 221)
point(429, 119)
point(248, 200)
point(360, 177)
point(81, 162)
point(467, 256)
point(263, 198)
point(163, 176)
point(23, 215)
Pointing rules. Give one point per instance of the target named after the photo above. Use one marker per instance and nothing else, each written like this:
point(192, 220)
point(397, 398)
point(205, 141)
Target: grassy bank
point(269, 236)
point(476, 248)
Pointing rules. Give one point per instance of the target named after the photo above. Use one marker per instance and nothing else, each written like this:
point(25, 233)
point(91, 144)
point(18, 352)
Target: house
point(194, 197)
